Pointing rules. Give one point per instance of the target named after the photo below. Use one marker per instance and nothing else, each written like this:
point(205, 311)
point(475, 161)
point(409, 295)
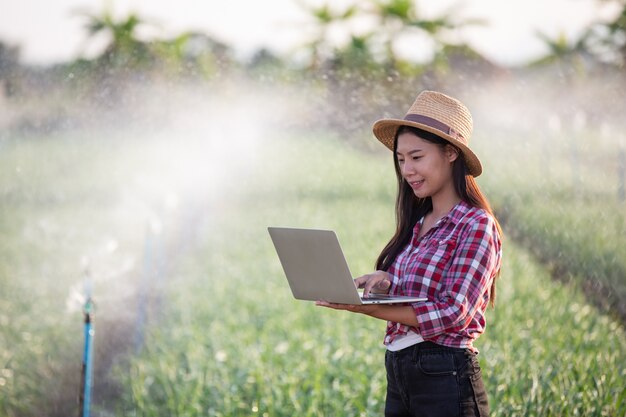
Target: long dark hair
point(409, 208)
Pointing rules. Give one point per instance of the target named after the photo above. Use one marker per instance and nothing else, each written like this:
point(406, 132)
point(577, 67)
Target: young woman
point(446, 248)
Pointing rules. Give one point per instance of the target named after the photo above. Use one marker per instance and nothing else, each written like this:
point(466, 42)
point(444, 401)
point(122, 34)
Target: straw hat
point(441, 115)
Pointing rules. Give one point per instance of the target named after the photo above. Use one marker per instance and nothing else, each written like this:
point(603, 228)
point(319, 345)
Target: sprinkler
point(86, 376)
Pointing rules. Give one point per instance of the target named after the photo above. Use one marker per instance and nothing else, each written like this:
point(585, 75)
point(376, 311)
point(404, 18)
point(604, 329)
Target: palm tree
point(567, 55)
point(356, 55)
point(400, 16)
point(561, 48)
point(614, 35)
point(604, 41)
point(124, 49)
point(324, 17)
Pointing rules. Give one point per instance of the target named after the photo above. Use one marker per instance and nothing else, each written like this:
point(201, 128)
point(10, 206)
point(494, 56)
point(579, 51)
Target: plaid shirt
point(453, 265)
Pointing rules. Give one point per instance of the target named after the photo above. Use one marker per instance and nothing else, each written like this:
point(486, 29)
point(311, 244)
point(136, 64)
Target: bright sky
point(52, 30)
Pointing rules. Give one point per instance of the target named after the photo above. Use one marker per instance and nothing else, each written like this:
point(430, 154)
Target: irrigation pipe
point(86, 377)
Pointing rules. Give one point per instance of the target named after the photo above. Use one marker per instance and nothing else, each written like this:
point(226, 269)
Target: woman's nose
point(407, 168)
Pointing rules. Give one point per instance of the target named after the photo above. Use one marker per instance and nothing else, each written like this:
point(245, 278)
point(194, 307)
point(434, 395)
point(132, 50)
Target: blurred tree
point(398, 17)
point(325, 17)
point(187, 54)
point(9, 63)
point(171, 51)
point(568, 55)
point(599, 42)
point(201, 55)
point(463, 60)
point(124, 49)
point(610, 37)
point(265, 64)
point(369, 50)
point(375, 29)
point(355, 56)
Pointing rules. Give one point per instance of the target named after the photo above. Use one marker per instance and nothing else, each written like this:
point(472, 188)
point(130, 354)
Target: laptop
point(316, 268)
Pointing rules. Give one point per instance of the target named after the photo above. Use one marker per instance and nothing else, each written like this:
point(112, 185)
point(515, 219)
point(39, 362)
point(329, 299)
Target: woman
point(446, 248)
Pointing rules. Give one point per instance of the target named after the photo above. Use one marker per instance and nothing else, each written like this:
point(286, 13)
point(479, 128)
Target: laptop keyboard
point(378, 297)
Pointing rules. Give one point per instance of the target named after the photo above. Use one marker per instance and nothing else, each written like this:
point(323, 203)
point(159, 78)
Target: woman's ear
point(451, 152)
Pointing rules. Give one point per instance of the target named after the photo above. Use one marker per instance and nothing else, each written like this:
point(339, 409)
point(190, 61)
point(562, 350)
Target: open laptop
point(316, 268)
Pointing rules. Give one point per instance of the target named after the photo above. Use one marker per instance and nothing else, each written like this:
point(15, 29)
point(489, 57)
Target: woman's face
point(425, 166)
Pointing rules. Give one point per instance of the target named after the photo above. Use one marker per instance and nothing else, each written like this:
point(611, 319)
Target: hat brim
point(385, 131)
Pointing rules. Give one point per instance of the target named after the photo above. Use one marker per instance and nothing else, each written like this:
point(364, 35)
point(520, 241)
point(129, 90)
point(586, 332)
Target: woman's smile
point(415, 185)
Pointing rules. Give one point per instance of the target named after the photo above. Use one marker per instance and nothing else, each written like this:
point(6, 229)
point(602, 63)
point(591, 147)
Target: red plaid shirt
point(453, 265)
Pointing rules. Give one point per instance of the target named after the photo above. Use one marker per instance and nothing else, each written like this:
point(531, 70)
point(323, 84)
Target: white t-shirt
point(404, 341)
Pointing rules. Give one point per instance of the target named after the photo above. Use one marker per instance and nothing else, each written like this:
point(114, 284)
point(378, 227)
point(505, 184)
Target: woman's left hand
point(390, 312)
point(354, 308)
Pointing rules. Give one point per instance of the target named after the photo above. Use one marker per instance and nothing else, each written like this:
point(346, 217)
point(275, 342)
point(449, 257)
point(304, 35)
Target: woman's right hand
point(378, 282)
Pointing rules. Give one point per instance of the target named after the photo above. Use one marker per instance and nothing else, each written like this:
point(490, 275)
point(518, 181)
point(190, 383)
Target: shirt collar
point(457, 212)
point(454, 215)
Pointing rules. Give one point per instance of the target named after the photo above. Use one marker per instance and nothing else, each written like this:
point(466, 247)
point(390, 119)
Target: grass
point(547, 351)
point(559, 198)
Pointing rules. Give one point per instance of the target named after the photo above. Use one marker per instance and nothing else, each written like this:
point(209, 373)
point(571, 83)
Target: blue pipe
point(85, 398)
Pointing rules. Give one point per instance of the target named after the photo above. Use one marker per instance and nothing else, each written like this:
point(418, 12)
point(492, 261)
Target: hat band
point(435, 124)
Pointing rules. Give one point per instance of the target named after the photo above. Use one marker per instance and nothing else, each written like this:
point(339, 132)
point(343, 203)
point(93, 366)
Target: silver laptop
point(316, 268)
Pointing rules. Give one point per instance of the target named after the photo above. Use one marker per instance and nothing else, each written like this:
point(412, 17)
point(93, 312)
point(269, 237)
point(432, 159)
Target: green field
point(210, 347)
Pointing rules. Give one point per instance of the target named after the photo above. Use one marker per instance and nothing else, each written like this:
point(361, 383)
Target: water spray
point(86, 377)
point(146, 280)
point(621, 174)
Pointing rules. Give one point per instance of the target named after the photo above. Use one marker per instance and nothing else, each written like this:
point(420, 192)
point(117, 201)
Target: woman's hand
point(377, 282)
point(368, 309)
point(399, 313)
